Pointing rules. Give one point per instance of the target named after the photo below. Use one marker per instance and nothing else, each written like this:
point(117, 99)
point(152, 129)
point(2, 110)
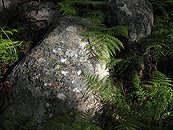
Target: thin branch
point(5, 34)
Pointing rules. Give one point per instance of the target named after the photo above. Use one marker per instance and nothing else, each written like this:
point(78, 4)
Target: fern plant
point(76, 121)
point(157, 47)
point(152, 107)
point(89, 9)
point(157, 100)
point(94, 83)
point(71, 7)
point(8, 48)
point(114, 95)
point(160, 44)
point(14, 122)
point(127, 64)
point(161, 6)
point(103, 39)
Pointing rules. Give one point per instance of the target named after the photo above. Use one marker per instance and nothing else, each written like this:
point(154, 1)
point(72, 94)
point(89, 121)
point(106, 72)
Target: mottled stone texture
point(137, 13)
point(42, 14)
point(7, 3)
point(49, 81)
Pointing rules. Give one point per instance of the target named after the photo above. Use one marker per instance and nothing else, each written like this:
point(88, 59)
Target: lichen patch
point(71, 29)
point(61, 96)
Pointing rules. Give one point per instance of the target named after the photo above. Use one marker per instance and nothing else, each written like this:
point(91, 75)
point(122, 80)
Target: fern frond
point(114, 41)
point(75, 121)
point(160, 96)
point(67, 9)
point(160, 79)
point(90, 2)
point(132, 125)
point(102, 43)
point(160, 5)
point(5, 123)
point(159, 43)
point(72, 7)
point(120, 30)
point(103, 87)
point(95, 15)
point(92, 81)
point(128, 64)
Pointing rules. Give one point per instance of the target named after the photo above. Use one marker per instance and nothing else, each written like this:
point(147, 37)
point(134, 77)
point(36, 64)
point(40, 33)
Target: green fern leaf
point(71, 7)
point(119, 30)
point(103, 44)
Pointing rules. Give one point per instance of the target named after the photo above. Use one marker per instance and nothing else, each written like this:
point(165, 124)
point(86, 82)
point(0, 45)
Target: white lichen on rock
point(71, 53)
point(79, 72)
point(71, 29)
point(125, 9)
point(63, 60)
point(76, 90)
point(64, 72)
point(61, 96)
point(101, 70)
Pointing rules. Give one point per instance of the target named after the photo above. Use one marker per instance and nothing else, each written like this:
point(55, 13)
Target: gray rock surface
point(42, 14)
point(7, 3)
point(48, 81)
point(137, 13)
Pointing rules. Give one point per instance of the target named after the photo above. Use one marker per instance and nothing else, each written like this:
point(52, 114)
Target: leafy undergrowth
point(75, 121)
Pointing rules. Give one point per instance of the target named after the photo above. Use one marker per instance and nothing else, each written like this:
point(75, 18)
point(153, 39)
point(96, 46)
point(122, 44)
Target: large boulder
point(49, 80)
point(138, 14)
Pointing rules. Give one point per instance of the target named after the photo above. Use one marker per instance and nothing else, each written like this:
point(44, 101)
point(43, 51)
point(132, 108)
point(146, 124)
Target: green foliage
point(8, 48)
point(132, 125)
point(157, 99)
point(14, 122)
point(128, 64)
point(71, 7)
point(160, 44)
point(154, 104)
point(89, 9)
point(103, 39)
point(93, 82)
point(76, 121)
point(161, 6)
point(5, 123)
